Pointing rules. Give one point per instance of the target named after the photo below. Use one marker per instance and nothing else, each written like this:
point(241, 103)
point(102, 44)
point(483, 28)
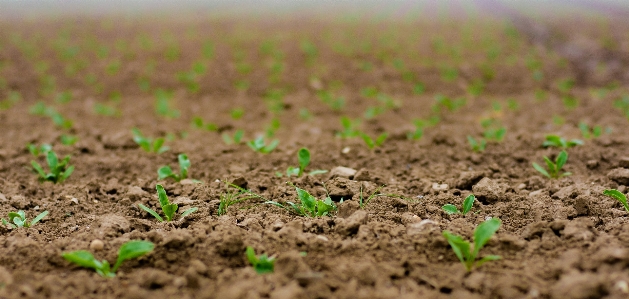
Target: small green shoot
point(198, 123)
point(554, 169)
point(588, 133)
point(19, 219)
point(303, 156)
point(495, 134)
point(41, 150)
point(168, 208)
point(261, 264)
point(163, 104)
point(59, 170)
point(467, 206)
point(373, 143)
point(462, 248)
point(236, 139)
point(148, 144)
point(230, 198)
point(260, 146)
point(67, 139)
point(560, 142)
point(420, 126)
point(350, 128)
point(166, 172)
point(308, 206)
point(237, 113)
point(477, 145)
point(128, 250)
point(619, 196)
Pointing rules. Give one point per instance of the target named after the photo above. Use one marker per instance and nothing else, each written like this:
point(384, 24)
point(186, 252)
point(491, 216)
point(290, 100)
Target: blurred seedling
point(169, 209)
point(148, 144)
point(39, 150)
point(166, 172)
point(18, 219)
point(235, 139)
point(59, 170)
point(350, 128)
point(468, 202)
point(303, 156)
point(622, 104)
point(129, 250)
point(163, 105)
point(260, 146)
point(419, 88)
point(237, 113)
point(619, 196)
point(587, 132)
point(198, 123)
point(448, 103)
point(373, 143)
point(560, 142)
point(335, 103)
point(477, 145)
point(420, 126)
point(468, 253)
point(554, 168)
point(12, 98)
point(67, 139)
point(230, 198)
point(308, 205)
point(262, 264)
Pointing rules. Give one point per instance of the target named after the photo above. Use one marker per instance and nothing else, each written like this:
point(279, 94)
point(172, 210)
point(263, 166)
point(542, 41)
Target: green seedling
point(554, 169)
point(166, 172)
point(41, 150)
point(477, 145)
point(420, 126)
point(13, 98)
point(467, 206)
point(198, 123)
point(260, 146)
point(148, 144)
point(419, 88)
point(303, 156)
point(107, 110)
point(362, 202)
point(335, 103)
point(230, 198)
point(237, 113)
point(19, 219)
point(462, 248)
point(495, 134)
point(67, 139)
point(560, 142)
point(619, 196)
point(587, 132)
point(308, 206)
point(163, 105)
point(350, 128)
point(448, 103)
point(59, 170)
point(128, 250)
point(168, 208)
point(373, 143)
point(236, 139)
point(261, 264)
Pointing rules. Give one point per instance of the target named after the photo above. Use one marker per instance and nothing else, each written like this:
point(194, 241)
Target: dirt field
point(428, 85)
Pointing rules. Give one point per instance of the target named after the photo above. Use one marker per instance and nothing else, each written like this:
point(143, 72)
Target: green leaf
point(169, 211)
point(541, 169)
point(82, 258)
point(38, 218)
point(460, 247)
point(269, 148)
point(487, 259)
point(380, 140)
point(368, 141)
point(19, 222)
point(619, 196)
point(552, 167)
point(467, 203)
point(251, 256)
point(292, 171)
point(303, 156)
point(184, 164)
point(161, 194)
point(307, 200)
point(15, 215)
point(157, 145)
point(165, 172)
point(188, 212)
point(450, 209)
point(483, 233)
point(52, 159)
point(561, 160)
point(131, 250)
point(151, 211)
point(66, 173)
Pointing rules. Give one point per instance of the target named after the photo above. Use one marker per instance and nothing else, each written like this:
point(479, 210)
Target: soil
point(560, 238)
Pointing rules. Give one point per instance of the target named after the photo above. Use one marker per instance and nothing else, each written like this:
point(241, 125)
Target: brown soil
point(559, 238)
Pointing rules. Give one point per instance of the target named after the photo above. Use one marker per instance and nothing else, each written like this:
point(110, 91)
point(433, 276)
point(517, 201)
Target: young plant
point(467, 206)
point(350, 128)
point(148, 144)
point(556, 141)
point(261, 264)
point(587, 132)
point(168, 208)
point(41, 150)
point(495, 134)
point(303, 156)
point(554, 169)
point(128, 250)
point(59, 170)
point(163, 105)
point(308, 206)
point(67, 139)
point(260, 146)
point(373, 143)
point(420, 126)
point(236, 139)
point(463, 249)
point(230, 198)
point(198, 123)
point(477, 145)
point(619, 196)
point(166, 172)
point(19, 219)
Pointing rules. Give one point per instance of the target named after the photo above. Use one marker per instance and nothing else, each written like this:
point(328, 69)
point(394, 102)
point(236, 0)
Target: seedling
point(260, 146)
point(59, 170)
point(13, 98)
point(166, 172)
point(303, 156)
point(420, 126)
point(556, 141)
point(148, 144)
point(308, 206)
point(41, 150)
point(230, 198)
point(350, 128)
point(587, 132)
point(448, 103)
point(162, 104)
point(236, 139)
point(67, 139)
point(495, 134)
point(477, 145)
point(373, 143)
point(482, 234)
point(128, 250)
point(619, 196)
point(197, 122)
point(168, 208)
point(262, 264)
point(554, 169)
point(237, 113)
point(467, 206)
point(19, 219)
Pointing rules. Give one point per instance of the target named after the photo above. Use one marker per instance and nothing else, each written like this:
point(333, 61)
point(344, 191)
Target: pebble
point(97, 245)
point(344, 172)
point(346, 150)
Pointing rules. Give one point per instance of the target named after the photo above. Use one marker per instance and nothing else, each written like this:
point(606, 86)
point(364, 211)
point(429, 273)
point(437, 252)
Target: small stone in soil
point(97, 245)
